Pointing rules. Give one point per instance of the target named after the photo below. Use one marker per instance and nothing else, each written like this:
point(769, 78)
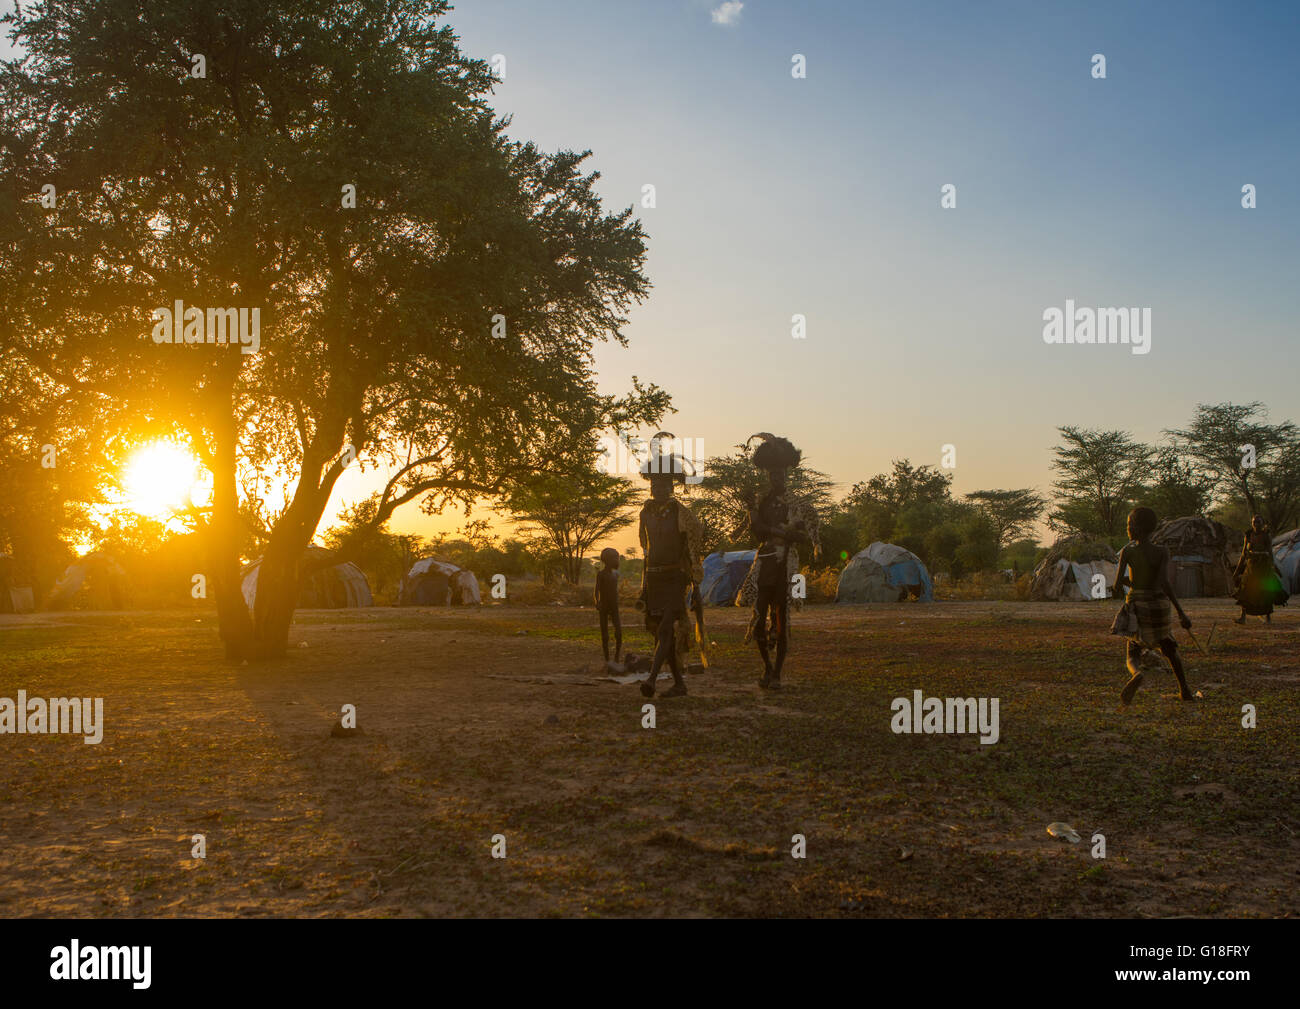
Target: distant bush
point(983, 585)
point(533, 591)
point(822, 584)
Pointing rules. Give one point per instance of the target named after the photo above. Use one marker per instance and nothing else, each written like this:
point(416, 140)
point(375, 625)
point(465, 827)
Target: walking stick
point(697, 605)
point(1197, 643)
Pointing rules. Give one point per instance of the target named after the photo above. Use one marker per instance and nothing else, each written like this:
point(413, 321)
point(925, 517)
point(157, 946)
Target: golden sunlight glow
point(160, 478)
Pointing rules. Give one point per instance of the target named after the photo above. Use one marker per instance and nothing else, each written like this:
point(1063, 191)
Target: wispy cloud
point(727, 13)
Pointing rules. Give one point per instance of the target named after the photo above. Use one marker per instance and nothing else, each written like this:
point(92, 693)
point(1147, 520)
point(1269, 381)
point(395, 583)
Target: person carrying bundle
point(780, 523)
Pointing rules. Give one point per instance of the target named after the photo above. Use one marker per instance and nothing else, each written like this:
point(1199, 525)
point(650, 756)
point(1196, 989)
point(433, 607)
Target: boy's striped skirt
point(1155, 620)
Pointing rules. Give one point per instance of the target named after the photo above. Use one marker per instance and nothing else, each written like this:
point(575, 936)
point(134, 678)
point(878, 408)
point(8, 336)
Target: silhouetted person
point(606, 598)
point(778, 522)
point(1149, 598)
point(670, 545)
point(1259, 586)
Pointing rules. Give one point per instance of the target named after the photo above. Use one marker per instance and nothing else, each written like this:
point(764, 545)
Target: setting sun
point(160, 478)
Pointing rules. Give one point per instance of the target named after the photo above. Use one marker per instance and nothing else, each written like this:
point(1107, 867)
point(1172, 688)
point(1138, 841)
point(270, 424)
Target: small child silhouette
point(606, 598)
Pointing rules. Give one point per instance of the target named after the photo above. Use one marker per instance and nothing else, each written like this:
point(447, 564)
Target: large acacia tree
point(573, 513)
point(908, 495)
point(227, 191)
point(1100, 477)
point(1243, 455)
point(1011, 513)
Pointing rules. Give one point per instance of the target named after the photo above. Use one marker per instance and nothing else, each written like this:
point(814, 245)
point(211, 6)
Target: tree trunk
point(278, 580)
point(233, 619)
point(280, 574)
point(264, 633)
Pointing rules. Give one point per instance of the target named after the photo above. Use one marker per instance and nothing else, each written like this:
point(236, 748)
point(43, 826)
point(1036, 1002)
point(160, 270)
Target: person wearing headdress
point(1259, 586)
point(779, 523)
point(671, 539)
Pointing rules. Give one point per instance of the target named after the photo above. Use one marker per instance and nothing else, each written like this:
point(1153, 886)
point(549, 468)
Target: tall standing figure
point(1259, 586)
point(670, 545)
point(779, 522)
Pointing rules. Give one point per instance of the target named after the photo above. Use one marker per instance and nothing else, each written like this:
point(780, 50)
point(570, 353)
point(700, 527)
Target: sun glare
point(160, 478)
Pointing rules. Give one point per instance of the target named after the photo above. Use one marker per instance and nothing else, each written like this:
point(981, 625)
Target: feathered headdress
point(774, 452)
point(665, 463)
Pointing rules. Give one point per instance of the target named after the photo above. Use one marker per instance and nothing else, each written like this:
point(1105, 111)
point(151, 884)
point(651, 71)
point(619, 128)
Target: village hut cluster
point(1202, 556)
point(98, 581)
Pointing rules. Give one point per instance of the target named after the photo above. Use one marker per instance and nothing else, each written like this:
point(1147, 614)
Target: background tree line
point(1229, 463)
point(560, 522)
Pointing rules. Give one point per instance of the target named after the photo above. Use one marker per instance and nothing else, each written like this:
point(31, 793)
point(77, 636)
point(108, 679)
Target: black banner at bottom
point(1044, 958)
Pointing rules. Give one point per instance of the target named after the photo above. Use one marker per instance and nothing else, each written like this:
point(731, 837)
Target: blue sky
point(820, 196)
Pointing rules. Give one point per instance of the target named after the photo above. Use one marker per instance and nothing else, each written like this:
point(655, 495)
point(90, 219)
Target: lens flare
point(159, 479)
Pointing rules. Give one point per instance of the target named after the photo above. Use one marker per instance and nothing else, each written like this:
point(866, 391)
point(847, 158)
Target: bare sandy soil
point(473, 728)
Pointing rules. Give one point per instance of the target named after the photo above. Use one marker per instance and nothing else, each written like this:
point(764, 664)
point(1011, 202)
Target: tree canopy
point(1245, 456)
point(1100, 478)
point(574, 512)
point(436, 318)
point(1012, 513)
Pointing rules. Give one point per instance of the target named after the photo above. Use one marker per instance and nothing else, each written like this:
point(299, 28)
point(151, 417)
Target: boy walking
point(1149, 599)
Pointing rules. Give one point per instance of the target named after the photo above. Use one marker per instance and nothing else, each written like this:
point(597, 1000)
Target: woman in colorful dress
point(1259, 586)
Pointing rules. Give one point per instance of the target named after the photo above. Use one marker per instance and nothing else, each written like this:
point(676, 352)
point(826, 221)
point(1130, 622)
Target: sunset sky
point(821, 196)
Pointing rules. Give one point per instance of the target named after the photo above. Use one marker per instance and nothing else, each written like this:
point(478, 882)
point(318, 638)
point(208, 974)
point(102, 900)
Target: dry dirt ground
point(495, 721)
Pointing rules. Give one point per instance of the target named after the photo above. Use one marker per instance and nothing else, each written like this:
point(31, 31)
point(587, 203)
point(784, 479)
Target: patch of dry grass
point(603, 817)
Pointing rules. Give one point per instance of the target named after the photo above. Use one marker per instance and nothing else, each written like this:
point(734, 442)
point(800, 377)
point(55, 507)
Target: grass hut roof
point(1195, 535)
point(1080, 549)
